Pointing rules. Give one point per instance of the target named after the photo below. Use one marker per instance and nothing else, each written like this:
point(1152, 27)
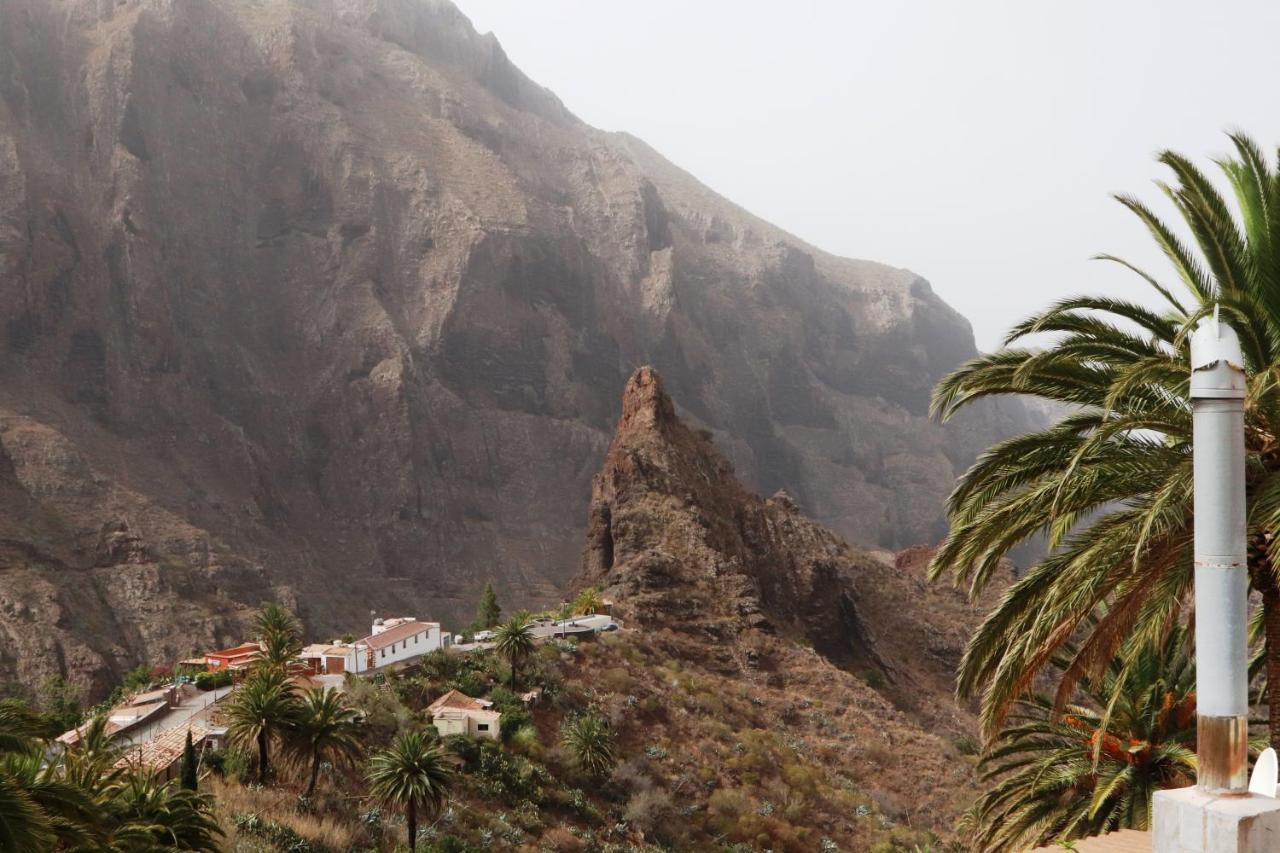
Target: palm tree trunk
point(315, 772)
point(513, 674)
point(1265, 580)
point(263, 767)
point(413, 826)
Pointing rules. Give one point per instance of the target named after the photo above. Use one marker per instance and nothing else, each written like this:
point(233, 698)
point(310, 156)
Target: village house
point(234, 658)
point(456, 713)
point(162, 756)
point(390, 641)
point(129, 715)
point(326, 658)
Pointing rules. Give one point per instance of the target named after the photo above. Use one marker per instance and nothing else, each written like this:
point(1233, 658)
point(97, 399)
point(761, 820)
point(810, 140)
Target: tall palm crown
point(1061, 776)
point(262, 709)
point(514, 641)
point(411, 774)
point(325, 727)
point(279, 636)
point(588, 601)
point(1110, 481)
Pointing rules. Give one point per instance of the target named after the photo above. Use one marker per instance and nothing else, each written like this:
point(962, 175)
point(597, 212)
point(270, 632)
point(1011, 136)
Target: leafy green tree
point(488, 611)
point(1110, 481)
point(326, 728)
point(589, 739)
point(188, 772)
point(589, 601)
point(260, 711)
point(1063, 776)
point(514, 641)
point(412, 775)
point(61, 705)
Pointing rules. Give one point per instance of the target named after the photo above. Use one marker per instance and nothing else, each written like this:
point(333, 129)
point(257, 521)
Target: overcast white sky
point(975, 143)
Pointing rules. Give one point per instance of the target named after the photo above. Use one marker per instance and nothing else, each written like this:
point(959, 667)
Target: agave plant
point(1094, 767)
point(1110, 481)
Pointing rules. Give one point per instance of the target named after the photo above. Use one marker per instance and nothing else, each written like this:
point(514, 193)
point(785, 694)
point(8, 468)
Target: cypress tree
point(489, 612)
point(187, 773)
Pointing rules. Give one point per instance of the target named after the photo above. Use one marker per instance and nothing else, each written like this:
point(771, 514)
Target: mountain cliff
point(677, 542)
point(340, 300)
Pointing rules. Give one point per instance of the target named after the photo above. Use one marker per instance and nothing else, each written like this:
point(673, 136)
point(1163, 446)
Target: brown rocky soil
point(335, 289)
point(852, 652)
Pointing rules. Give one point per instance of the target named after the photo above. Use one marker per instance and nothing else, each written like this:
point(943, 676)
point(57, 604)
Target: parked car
point(612, 626)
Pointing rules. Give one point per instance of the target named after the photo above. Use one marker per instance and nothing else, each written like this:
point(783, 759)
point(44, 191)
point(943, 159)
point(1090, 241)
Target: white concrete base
point(1187, 821)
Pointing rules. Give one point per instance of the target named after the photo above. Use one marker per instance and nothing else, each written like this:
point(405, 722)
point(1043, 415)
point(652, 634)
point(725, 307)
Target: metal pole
point(1221, 575)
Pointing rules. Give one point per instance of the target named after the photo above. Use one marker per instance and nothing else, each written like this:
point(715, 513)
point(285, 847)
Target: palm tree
point(588, 602)
point(37, 810)
point(265, 706)
point(590, 740)
point(279, 636)
point(1070, 775)
point(411, 774)
point(147, 814)
point(90, 763)
point(514, 641)
point(273, 618)
point(1110, 481)
point(326, 726)
point(52, 813)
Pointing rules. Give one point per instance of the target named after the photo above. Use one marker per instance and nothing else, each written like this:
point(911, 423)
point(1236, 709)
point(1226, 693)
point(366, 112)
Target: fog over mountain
point(328, 300)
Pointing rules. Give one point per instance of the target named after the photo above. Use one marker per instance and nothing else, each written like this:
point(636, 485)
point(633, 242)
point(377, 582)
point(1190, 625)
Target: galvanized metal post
point(1221, 575)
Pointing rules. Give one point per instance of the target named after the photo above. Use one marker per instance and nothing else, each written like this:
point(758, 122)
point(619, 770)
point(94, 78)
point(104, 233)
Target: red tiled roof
point(458, 700)
point(391, 636)
point(239, 651)
point(165, 749)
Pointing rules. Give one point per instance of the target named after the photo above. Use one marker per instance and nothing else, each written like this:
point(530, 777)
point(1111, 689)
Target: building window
point(382, 652)
point(483, 727)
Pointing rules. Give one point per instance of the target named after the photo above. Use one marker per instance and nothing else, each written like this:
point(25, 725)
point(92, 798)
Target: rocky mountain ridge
point(333, 285)
point(748, 591)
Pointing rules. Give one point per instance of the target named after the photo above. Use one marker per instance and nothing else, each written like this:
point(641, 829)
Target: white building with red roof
point(390, 641)
point(456, 713)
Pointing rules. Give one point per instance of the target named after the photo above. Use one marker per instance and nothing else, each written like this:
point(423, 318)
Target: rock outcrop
point(679, 545)
point(748, 591)
point(336, 285)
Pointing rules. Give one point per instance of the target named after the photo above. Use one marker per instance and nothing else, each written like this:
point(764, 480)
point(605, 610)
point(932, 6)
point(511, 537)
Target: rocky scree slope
point(335, 285)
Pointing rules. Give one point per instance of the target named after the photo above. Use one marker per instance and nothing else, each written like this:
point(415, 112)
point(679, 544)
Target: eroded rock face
point(681, 546)
point(95, 578)
point(337, 285)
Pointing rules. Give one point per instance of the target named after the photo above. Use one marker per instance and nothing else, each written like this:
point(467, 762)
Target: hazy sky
point(975, 143)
